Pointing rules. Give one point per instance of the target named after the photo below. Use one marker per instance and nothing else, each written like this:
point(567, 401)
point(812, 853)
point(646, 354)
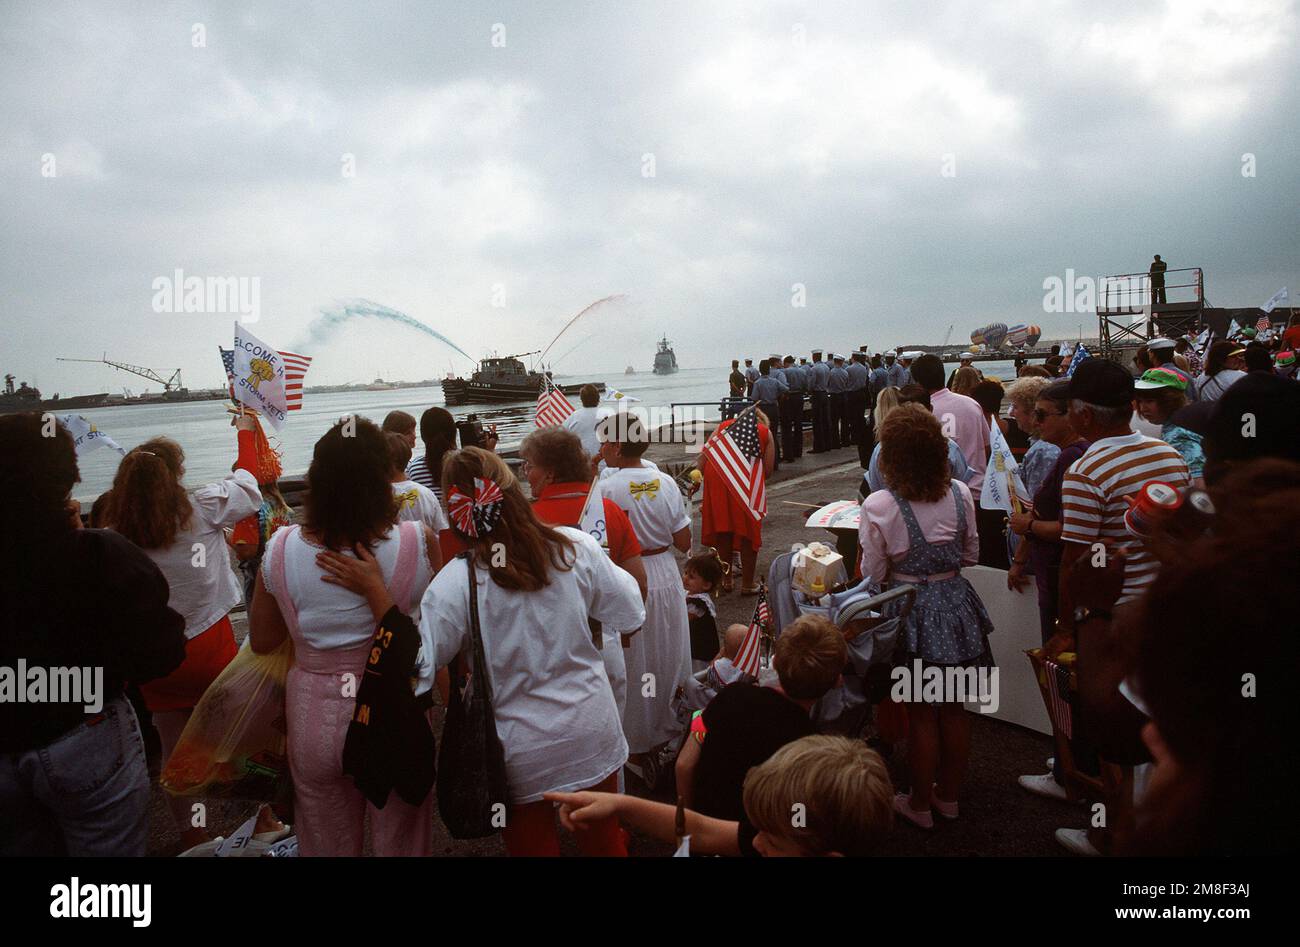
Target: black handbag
point(472, 797)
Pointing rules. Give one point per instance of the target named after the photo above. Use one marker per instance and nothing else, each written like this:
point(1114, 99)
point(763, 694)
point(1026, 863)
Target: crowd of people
point(1166, 561)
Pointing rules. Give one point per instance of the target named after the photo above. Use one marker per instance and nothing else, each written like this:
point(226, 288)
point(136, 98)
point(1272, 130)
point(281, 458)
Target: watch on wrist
point(1083, 614)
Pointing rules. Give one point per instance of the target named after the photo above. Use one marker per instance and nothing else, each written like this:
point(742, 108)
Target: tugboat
point(27, 398)
point(665, 359)
point(501, 379)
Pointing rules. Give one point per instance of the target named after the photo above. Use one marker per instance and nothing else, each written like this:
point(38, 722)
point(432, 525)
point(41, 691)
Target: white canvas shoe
point(1075, 841)
point(1045, 786)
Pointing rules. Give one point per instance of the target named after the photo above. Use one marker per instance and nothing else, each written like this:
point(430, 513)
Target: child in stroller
point(870, 620)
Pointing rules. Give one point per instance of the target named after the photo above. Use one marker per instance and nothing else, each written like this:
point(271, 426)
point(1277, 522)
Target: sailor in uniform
point(893, 371)
point(792, 410)
point(818, 374)
point(855, 400)
point(768, 391)
point(751, 375)
point(837, 385)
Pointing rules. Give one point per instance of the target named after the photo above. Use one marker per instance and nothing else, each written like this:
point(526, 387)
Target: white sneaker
point(1075, 841)
point(903, 806)
point(1045, 786)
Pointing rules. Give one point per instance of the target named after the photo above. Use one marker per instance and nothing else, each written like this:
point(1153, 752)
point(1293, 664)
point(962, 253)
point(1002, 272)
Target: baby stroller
point(874, 615)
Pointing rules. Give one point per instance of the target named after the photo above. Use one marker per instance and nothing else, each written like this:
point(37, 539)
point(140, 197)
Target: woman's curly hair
point(148, 503)
point(914, 454)
point(559, 452)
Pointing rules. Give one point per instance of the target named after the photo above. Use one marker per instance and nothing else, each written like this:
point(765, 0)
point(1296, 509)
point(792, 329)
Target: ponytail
point(147, 504)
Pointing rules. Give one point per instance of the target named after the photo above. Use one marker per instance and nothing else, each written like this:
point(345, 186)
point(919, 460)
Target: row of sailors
point(837, 374)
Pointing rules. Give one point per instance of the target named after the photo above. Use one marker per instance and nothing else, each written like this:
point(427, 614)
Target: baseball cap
point(1101, 382)
point(1161, 378)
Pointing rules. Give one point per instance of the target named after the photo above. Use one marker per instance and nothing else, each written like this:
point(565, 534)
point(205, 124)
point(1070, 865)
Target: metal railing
point(1132, 292)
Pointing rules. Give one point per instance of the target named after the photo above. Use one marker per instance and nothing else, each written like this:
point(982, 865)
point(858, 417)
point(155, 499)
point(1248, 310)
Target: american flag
point(747, 658)
point(552, 406)
point(228, 362)
point(295, 367)
point(738, 455)
point(1058, 692)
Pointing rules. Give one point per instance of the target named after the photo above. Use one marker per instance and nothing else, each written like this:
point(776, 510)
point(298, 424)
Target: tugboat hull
point(458, 391)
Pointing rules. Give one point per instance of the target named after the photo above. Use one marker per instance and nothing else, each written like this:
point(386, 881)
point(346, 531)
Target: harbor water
point(203, 430)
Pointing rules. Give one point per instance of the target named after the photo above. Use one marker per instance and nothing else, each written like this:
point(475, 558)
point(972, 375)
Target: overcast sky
point(792, 143)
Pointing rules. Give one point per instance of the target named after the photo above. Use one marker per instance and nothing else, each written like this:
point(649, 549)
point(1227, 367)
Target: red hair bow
point(479, 514)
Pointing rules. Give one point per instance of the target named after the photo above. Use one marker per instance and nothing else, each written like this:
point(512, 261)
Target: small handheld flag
point(1002, 485)
point(1276, 300)
point(592, 521)
point(295, 367)
point(552, 406)
point(748, 657)
point(265, 379)
point(85, 436)
point(1081, 355)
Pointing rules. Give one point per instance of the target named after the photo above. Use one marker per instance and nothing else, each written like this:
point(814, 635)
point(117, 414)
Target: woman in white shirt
point(536, 586)
point(183, 533)
point(349, 509)
point(1223, 369)
point(659, 658)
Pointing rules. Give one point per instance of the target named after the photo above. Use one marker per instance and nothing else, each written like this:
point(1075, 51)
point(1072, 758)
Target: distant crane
point(947, 335)
point(169, 384)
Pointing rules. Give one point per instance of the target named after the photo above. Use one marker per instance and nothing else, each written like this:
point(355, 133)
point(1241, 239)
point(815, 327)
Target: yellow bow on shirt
point(649, 489)
point(408, 499)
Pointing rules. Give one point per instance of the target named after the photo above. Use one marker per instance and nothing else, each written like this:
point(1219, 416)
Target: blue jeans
point(87, 793)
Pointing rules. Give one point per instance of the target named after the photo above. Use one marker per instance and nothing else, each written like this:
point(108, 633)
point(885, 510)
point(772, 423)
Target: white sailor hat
point(837, 358)
point(1161, 343)
point(890, 353)
point(913, 354)
point(816, 351)
point(966, 356)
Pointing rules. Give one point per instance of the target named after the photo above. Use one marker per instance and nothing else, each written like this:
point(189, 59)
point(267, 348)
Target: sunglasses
point(1040, 415)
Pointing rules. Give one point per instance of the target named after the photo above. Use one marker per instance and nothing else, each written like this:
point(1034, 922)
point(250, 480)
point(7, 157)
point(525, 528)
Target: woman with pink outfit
point(349, 503)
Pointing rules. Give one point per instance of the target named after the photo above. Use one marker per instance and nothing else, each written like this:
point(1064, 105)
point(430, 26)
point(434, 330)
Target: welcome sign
point(259, 377)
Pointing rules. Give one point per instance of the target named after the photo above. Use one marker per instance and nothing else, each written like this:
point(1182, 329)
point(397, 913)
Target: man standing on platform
point(1157, 274)
point(767, 392)
point(751, 376)
point(837, 386)
point(792, 410)
point(818, 375)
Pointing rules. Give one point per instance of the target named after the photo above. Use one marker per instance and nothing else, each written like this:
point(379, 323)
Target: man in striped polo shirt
point(1097, 487)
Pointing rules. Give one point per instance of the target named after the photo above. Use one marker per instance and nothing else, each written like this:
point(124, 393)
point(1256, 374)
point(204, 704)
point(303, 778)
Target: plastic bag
point(234, 745)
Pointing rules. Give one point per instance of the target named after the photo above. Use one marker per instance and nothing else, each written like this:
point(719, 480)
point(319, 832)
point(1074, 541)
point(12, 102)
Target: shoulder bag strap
point(481, 679)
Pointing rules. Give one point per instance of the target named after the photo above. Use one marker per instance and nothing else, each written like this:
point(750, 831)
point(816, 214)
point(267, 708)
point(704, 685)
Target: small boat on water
point(665, 358)
point(629, 370)
point(502, 379)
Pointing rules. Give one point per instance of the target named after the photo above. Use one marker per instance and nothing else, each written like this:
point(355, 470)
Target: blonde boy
point(818, 796)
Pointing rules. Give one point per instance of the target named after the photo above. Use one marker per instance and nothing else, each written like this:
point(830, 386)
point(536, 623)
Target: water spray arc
point(334, 317)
